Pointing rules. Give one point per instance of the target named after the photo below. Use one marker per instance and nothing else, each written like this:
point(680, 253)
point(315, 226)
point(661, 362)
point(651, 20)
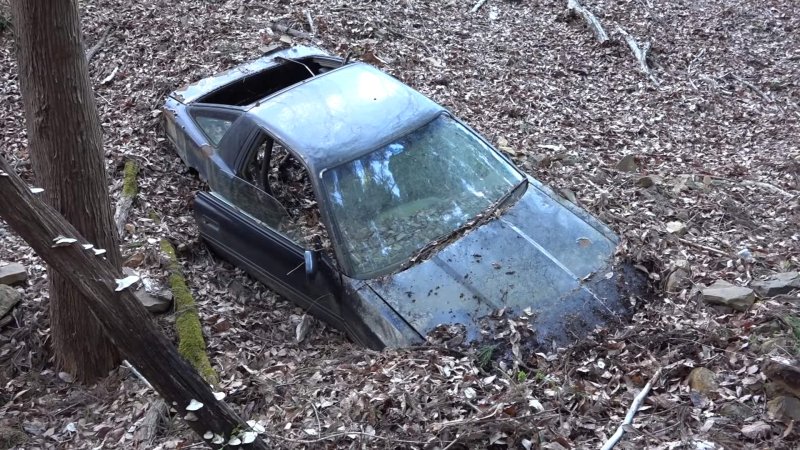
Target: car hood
point(542, 253)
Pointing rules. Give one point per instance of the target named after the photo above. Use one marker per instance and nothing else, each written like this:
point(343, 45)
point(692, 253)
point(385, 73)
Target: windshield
point(390, 203)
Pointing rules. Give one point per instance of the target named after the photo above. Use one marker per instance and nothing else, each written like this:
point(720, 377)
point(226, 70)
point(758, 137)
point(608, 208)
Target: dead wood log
point(93, 50)
point(123, 318)
point(639, 52)
point(478, 5)
point(148, 427)
point(591, 20)
point(128, 194)
point(280, 28)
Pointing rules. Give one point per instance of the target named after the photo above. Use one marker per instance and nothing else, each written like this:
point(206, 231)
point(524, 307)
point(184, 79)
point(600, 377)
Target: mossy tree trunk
point(68, 162)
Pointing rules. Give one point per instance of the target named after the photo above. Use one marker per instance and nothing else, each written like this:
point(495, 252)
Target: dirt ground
point(714, 134)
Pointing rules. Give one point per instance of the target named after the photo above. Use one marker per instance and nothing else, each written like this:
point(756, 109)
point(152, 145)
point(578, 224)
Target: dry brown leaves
point(718, 137)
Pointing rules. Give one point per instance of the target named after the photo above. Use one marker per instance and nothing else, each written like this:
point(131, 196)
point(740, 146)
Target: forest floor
point(715, 139)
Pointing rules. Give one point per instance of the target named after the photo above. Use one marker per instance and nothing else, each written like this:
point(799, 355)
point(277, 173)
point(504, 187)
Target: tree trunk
point(123, 318)
point(67, 157)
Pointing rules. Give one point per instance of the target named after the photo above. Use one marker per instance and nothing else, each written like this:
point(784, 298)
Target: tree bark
point(68, 162)
point(121, 315)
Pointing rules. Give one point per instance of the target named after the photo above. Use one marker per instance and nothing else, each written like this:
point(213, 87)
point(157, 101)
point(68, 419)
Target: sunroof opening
point(252, 88)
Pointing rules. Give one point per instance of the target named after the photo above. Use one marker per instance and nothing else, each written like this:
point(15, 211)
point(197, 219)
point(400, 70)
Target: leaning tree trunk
point(67, 158)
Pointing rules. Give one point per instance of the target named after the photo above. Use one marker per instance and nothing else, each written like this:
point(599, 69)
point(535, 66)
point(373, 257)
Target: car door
point(247, 226)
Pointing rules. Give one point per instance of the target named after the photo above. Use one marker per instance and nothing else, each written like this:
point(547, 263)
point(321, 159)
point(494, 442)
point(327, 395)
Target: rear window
point(214, 123)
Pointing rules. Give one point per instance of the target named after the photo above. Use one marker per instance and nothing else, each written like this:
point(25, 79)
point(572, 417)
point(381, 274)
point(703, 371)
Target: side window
point(214, 122)
point(277, 172)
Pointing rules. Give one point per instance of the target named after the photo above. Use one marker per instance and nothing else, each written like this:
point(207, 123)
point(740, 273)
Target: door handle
point(210, 223)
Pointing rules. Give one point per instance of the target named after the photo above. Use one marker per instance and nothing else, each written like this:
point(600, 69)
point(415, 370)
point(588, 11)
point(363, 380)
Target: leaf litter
point(715, 147)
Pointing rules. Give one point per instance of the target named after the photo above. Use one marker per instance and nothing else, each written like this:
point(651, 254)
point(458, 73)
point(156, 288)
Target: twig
point(427, 49)
point(290, 31)
point(703, 247)
point(753, 88)
point(341, 434)
point(639, 52)
point(478, 6)
point(590, 18)
point(311, 23)
point(637, 403)
point(91, 52)
point(136, 372)
point(761, 184)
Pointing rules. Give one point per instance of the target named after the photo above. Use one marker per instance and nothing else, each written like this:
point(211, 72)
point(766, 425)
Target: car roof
point(193, 91)
point(342, 114)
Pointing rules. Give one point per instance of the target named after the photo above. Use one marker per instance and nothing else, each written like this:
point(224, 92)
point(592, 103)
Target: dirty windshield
point(392, 202)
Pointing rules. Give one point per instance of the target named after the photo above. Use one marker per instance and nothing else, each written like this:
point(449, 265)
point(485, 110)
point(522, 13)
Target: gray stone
point(627, 164)
point(736, 410)
point(784, 408)
point(648, 181)
point(778, 284)
point(13, 273)
point(676, 227)
point(702, 380)
point(152, 303)
point(9, 297)
point(679, 276)
point(725, 294)
point(569, 195)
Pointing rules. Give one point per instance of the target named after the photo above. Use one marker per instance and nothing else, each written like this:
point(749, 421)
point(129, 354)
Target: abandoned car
point(377, 210)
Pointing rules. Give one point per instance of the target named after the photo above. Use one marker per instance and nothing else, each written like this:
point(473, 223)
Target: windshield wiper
point(488, 214)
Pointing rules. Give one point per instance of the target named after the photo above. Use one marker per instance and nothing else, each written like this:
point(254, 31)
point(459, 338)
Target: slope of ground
point(715, 137)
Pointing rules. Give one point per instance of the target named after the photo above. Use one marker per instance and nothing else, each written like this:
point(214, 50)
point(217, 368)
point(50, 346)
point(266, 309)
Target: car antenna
point(282, 58)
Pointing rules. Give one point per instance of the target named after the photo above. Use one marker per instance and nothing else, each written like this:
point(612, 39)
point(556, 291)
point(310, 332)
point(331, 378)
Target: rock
point(736, 410)
point(13, 273)
point(677, 228)
point(782, 344)
point(627, 164)
point(649, 181)
point(784, 408)
point(778, 284)
point(569, 195)
point(153, 304)
point(134, 260)
point(9, 297)
point(679, 276)
point(785, 376)
point(702, 380)
point(502, 145)
point(11, 437)
point(726, 294)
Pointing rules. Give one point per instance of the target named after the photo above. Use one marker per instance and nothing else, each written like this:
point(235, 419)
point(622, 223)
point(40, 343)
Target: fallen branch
point(761, 184)
point(148, 427)
point(91, 52)
point(703, 247)
point(639, 52)
point(637, 403)
point(311, 23)
point(290, 31)
point(478, 5)
point(753, 88)
point(590, 18)
point(123, 318)
point(129, 189)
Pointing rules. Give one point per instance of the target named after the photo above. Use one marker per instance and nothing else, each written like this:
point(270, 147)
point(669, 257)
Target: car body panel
point(343, 114)
point(541, 254)
point(536, 255)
